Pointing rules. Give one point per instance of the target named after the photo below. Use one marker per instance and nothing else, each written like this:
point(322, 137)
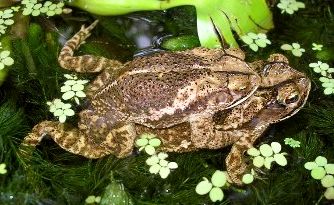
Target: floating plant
point(294, 48)
point(159, 164)
point(254, 41)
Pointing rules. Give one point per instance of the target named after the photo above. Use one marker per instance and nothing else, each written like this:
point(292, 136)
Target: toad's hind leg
point(72, 140)
point(85, 63)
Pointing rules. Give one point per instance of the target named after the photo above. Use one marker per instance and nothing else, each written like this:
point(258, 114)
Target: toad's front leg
point(118, 141)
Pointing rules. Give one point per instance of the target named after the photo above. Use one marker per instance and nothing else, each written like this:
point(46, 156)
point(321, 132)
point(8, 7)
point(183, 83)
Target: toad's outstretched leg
point(78, 142)
point(85, 63)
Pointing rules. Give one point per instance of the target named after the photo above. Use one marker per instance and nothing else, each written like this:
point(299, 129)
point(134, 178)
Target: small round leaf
point(69, 112)
point(247, 178)
point(164, 172)
point(268, 161)
point(216, 194)
point(172, 165)
point(276, 147)
point(68, 95)
point(253, 152)
point(218, 178)
point(62, 118)
point(90, 199)
point(321, 161)
point(280, 159)
point(329, 193)
point(163, 163)
point(266, 150)
point(154, 169)
point(318, 173)
point(327, 181)
point(329, 168)
point(141, 142)
point(152, 160)
point(203, 187)
point(310, 165)
point(150, 150)
point(155, 142)
point(258, 161)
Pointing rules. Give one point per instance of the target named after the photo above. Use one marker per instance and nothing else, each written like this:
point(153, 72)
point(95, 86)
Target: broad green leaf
point(203, 187)
point(247, 178)
point(216, 194)
point(218, 178)
point(266, 150)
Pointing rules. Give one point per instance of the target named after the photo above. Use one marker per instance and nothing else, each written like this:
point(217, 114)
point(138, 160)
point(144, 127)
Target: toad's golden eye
point(292, 98)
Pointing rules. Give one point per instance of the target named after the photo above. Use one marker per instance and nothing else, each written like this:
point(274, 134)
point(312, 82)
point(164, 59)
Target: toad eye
point(292, 98)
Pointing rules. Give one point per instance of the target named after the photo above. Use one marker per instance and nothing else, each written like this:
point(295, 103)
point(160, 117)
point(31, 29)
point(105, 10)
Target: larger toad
point(193, 99)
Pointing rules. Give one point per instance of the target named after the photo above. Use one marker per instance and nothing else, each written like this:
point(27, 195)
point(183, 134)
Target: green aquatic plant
point(323, 171)
point(254, 41)
point(60, 109)
point(266, 154)
point(317, 47)
point(34, 8)
point(3, 169)
point(159, 164)
point(294, 48)
point(216, 19)
point(5, 59)
point(290, 6)
point(326, 78)
point(93, 199)
point(73, 88)
point(292, 142)
point(148, 142)
point(6, 19)
point(214, 188)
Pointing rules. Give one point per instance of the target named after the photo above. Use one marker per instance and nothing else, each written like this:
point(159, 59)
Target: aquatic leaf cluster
point(323, 171)
point(213, 187)
point(34, 8)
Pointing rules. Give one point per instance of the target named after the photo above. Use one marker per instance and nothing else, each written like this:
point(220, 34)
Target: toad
point(194, 99)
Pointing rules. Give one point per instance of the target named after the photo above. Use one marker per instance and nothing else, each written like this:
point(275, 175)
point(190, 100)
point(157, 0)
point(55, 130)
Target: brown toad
point(192, 99)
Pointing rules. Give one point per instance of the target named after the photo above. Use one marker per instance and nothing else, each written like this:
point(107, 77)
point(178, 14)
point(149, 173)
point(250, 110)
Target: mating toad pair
point(194, 99)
